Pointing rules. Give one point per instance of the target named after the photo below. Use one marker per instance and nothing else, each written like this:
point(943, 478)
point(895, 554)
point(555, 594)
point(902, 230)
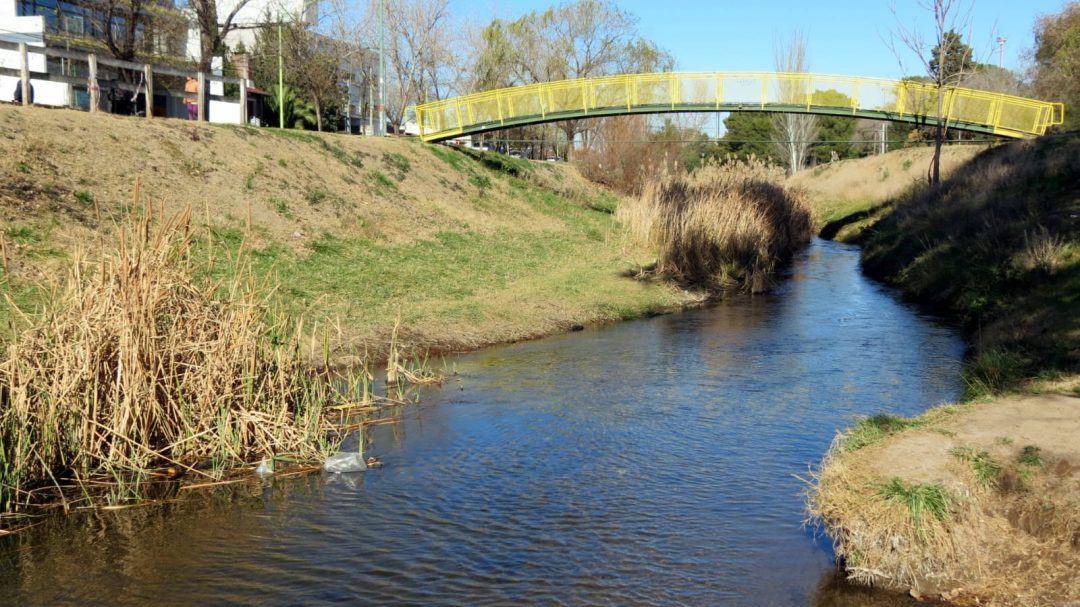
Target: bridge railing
point(997, 113)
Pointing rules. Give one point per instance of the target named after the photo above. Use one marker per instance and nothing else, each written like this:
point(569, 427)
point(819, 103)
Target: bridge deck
point(895, 100)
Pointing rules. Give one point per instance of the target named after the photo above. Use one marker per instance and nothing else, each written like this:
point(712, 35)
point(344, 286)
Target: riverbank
point(358, 230)
point(976, 503)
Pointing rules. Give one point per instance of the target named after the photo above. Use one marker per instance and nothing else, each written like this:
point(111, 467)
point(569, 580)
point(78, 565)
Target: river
point(655, 462)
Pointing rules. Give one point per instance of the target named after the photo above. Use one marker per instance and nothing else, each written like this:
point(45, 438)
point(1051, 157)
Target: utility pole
point(382, 67)
point(1001, 50)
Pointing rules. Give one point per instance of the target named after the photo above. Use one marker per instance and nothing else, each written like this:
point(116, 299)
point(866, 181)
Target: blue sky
point(844, 36)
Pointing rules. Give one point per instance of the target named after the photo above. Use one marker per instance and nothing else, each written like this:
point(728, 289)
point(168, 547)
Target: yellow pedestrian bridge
point(895, 100)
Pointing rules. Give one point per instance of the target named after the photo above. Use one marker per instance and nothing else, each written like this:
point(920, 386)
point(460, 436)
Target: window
point(72, 24)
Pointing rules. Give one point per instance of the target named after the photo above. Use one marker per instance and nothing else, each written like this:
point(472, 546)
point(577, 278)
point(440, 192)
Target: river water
point(656, 462)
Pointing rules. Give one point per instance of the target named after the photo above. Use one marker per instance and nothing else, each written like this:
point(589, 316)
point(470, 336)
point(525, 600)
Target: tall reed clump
point(726, 224)
point(137, 364)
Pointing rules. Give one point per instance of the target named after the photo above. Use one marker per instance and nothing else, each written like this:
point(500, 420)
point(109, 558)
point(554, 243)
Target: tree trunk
point(318, 116)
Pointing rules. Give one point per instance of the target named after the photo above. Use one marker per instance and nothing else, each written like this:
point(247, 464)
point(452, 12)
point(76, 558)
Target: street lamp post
point(1001, 50)
point(382, 67)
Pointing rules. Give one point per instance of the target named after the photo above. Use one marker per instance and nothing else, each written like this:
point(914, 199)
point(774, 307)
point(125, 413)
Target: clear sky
point(844, 36)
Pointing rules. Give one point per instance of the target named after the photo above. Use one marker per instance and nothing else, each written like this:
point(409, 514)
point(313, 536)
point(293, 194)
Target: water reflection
point(648, 463)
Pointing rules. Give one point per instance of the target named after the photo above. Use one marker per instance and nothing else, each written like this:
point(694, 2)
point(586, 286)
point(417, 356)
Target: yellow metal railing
point(969, 109)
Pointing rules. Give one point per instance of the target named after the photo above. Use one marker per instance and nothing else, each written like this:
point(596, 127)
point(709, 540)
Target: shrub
point(726, 224)
point(139, 365)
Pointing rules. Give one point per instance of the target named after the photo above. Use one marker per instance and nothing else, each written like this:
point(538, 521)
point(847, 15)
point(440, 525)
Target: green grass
point(481, 181)
point(501, 285)
point(23, 234)
point(398, 164)
point(450, 156)
point(992, 371)
point(870, 430)
point(1030, 456)
point(501, 163)
point(281, 206)
point(922, 500)
point(350, 159)
point(84, 198)
point(316, 195)
point(986, 470)
point(383, 184)
point(997, 247)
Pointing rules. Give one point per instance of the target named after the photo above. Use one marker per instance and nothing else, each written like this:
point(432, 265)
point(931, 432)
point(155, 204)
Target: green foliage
point(383, 184)
point(950, 59)
point(501, 163)
point(281, 206)
point(1030, 456)
point(481, 181)
point(920, 499)
point(992, 371)
point(1057, 60)
point(747, 134)
point(449, 156)
point(85, 198)
point(299, 114)
point(316, 195)
point(397, 163)
point(870, 430)
point(986, 470)
point(834, 132)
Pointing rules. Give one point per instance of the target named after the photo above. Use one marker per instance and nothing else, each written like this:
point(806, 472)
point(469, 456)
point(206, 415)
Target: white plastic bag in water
point(265, 468)
point(345, 462)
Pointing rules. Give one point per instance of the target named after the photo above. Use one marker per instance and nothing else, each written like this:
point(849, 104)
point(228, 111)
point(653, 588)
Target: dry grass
point(471, 253)
point(997, 245)
point(960, 504)
point(724, 225)
point(843, 188)
point(137, 365)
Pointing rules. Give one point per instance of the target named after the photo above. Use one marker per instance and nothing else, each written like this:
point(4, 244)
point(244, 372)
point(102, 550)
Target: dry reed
point(725, 224)
point(137, 365)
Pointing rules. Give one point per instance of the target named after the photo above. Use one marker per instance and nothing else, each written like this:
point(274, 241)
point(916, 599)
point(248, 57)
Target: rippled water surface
point(646, 463)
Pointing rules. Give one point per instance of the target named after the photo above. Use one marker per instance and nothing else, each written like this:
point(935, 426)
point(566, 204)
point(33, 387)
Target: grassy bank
point(979, 502)
point(469, 250)
point(998, 246)
point(850, 195)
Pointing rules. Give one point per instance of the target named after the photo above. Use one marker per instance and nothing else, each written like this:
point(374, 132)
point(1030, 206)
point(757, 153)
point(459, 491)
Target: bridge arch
point(876, 98)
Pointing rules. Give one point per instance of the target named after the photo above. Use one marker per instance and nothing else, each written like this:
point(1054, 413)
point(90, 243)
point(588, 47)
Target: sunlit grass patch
point(986, 470)
point(922, 500)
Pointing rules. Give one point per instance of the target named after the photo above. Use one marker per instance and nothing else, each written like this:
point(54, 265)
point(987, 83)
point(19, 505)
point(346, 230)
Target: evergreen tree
point(949, 66)
point(748, 133)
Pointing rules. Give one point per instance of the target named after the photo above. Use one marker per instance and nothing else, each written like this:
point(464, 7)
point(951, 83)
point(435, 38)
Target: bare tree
point(795, 132)
point(315, 64)
point(131, 28)
point(944, 56)
point(582, 39)
point(421, 51)
point(212, 30)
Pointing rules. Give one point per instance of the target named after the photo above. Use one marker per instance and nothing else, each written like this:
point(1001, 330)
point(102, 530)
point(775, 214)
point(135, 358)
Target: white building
point(15, 28)
point(252, 16)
